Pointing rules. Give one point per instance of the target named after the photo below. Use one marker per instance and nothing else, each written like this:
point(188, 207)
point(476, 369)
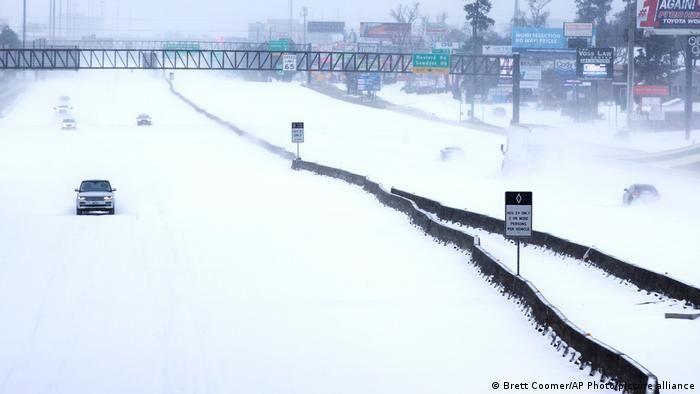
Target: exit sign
point(431, 63)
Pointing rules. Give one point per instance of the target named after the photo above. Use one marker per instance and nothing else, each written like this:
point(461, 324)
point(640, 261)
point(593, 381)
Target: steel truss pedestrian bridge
point(258, 60)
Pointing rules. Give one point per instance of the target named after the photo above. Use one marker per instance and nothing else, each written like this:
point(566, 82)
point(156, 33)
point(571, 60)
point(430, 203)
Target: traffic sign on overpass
point(279, 45)
point(258, 60)
point(438, 63)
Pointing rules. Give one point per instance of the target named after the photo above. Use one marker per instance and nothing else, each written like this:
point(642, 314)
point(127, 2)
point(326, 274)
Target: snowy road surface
point(578, 197)
point(224, 271)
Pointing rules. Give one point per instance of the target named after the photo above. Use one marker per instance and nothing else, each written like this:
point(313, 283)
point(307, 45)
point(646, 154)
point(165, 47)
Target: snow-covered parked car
point(95, 195)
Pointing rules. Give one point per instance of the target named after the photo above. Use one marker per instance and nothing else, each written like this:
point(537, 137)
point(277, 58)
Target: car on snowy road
point(144, 120)
point(68, 124)
point(451, 153)
point(63, 109)
point(640, 192)
point(95, 195)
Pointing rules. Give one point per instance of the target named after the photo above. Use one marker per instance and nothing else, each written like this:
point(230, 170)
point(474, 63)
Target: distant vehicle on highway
point(68, 124)
point(143, 120)
point(95, 195)
point(451, 152)
point(63, 108)
point(640, 192)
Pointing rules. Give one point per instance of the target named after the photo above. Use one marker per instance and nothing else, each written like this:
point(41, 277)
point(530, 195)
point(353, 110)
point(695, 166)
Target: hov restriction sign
point(298, 132)
point(518, 221)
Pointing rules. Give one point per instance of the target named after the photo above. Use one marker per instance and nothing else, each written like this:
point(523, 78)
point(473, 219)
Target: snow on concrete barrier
point(279, 151)
point(581, 347)
point(641, 277)
point(687, 158)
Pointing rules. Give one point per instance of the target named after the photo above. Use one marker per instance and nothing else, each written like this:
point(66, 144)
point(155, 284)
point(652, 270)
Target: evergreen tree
point(595, 11)
point(8, 38)
point(477, 16)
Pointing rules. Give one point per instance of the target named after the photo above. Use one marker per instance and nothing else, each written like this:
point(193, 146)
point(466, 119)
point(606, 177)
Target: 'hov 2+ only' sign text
point(298, 132)
point(518, 214)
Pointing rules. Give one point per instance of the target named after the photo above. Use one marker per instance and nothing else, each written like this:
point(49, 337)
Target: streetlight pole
point(304, 13)
point(24, 23)
point(291, 29)
point(630, 62)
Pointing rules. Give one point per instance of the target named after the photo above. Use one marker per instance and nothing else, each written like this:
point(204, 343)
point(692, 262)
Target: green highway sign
point(442, 51)
point(431, 63)
point(279, 45)
point(181, 46)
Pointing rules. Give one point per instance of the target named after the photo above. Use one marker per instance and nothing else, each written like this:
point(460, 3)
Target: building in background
point(275, 29)
point(325, 32)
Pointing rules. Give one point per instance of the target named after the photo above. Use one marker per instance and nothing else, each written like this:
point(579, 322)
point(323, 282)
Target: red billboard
point(652, 90)
point(668, 14)
point(384, 30)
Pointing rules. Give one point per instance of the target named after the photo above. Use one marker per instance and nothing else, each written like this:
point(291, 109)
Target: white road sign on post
point(298, 135)
point(518, 223)
point(289, 62)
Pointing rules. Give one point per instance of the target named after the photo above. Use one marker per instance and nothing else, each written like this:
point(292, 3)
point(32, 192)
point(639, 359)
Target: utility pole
point(475, 53)
point(630, 62)
point(688, 87)
point(24, 23)
point(291, 28)
point(304, 13)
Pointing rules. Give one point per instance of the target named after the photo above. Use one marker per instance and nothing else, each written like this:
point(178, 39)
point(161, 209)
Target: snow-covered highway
point(224, 271)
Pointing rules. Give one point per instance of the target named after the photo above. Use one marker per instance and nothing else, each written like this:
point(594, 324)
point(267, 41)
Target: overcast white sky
point(230, 17)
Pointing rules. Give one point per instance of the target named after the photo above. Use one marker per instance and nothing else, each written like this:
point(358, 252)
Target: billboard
point(530, 73)
point(325, 27)
point(595, 63)
point(497, 50)
point(565, 68)
point(668, 14)
point(578, 29)
point(538, 38)
point(651, 90)
point(384, 30)
point(436, 28)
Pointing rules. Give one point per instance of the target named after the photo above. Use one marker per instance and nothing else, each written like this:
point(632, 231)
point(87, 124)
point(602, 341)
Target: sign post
point(298, 135)
point(518, 223)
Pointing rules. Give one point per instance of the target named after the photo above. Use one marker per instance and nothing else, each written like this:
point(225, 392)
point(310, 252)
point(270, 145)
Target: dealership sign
point(668, 14)
point(538, 38)
point(595, 63)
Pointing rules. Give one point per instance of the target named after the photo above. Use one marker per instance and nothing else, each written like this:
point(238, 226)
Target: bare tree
point(538, 15)
point(404, 13)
